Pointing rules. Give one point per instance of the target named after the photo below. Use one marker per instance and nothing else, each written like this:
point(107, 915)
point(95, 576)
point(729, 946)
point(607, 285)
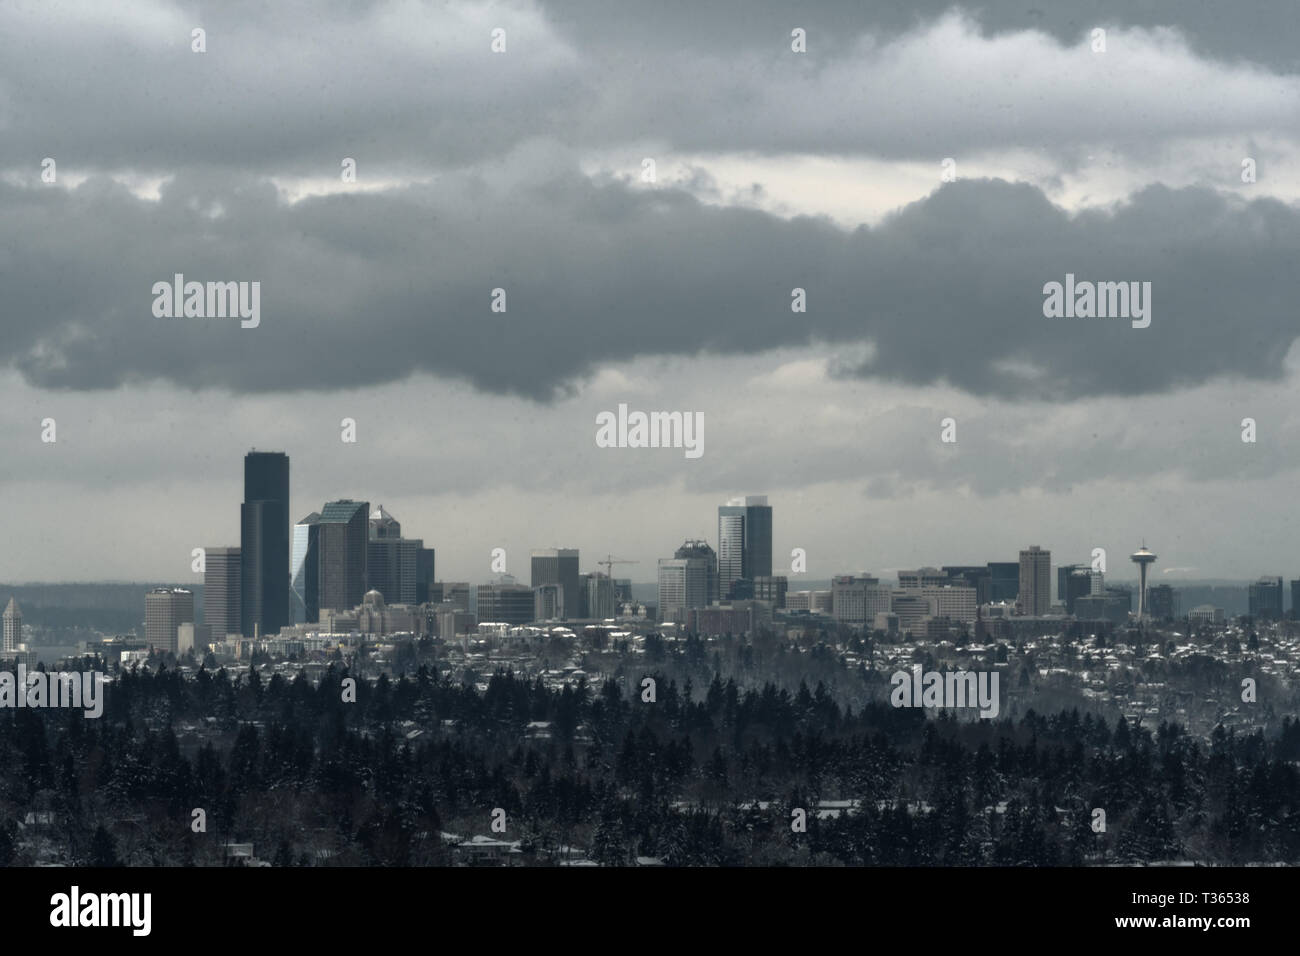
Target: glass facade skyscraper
point(13, 626)
point(683, 586)
point(744, 541)
point(305, 567)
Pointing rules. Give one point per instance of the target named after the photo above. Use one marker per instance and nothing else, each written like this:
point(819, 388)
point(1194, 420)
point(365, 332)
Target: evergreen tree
point(103, 848)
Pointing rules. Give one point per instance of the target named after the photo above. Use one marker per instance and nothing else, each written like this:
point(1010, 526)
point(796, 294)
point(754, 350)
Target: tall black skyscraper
point(264, 543)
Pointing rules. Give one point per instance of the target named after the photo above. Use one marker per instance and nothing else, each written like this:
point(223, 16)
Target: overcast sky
point(523, 170)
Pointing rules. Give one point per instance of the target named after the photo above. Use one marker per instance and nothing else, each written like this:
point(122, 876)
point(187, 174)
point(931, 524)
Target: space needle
point(1142, 558)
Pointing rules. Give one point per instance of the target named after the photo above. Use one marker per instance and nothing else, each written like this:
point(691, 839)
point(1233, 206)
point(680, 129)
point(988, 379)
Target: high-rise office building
point(264, 544)
point(1295, 599)
point(744, 542)
point(165, 610)
point(857, 599)
point(558, 566)
point(383, 525)
point(1004, 581)
point(955, 602)
point(1162, 602)
point(222, 601)
point(1035, 581)
point(696, 548)
point(975, 576)
point(731, 549)
point(742, 589)
point(772, 589)
point(455, 593)
point(393, 562)
point(548, 603)
point(1265, 599)
point(598, 591)
point(342, 533)
point(1073, 581)
point(1063, 572)
point(13, 626)
point(304, 565)
point(424, 575)
point(683, 586)
point(505, 602)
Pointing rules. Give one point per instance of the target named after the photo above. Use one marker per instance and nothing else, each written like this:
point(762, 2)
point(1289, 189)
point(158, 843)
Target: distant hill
point(1232, 596)
point(115, 608)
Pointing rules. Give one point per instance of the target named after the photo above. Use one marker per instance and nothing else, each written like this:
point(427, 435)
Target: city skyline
point(743, 554)
point(487, 574)
point(369, 553)
point(337, 557)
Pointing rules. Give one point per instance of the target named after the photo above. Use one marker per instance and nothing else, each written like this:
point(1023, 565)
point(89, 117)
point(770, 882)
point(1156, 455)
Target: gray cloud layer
point(366, 288)
point(289, 90)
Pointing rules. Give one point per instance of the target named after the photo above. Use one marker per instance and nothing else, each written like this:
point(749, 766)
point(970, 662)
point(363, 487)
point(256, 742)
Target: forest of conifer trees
point(707, 775)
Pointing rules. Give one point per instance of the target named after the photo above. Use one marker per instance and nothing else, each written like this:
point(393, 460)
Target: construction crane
point(609, 563)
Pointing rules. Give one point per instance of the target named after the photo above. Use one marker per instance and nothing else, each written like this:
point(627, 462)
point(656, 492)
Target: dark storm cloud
point(1266, 32)
point(360, 289)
